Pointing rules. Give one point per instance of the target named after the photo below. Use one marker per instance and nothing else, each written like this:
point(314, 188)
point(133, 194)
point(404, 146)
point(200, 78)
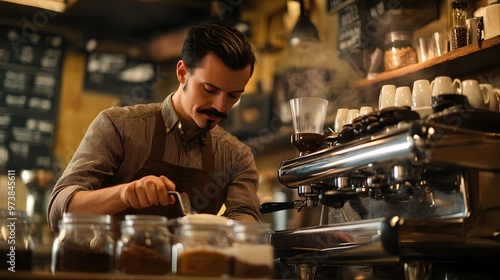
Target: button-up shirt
point(117, 144)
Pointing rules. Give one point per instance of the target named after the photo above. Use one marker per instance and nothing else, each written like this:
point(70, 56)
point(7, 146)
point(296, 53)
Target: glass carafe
point(308, 117)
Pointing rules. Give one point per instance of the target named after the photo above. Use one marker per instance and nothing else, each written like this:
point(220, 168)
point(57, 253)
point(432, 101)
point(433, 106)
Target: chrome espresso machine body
point(417, 200)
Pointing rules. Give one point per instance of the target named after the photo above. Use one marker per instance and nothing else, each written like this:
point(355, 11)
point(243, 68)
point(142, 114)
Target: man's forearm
point(102, 201)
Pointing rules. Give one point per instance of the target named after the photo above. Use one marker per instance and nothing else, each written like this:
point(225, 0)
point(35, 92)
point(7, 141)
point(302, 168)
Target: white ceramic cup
point(497, 91)
point(340, 119)
point(386, 97)
point(364, 110)
point(494, 94)
point(421, 96)
point(445, 85)
point(402, 97)
point(477, 96)
point(352, 114)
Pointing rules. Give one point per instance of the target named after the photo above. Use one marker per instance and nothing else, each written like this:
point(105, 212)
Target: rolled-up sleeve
point(242, 202)
point(96, 159)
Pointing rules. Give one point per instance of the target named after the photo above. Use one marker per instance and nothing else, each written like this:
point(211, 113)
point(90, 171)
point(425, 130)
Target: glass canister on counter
point(253, 254)
point(399, 50)
point(144, 246)
point(202, 246)
point(84, 244)
point(459, 29)
point(16, 243)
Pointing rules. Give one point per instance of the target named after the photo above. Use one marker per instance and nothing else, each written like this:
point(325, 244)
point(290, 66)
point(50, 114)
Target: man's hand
point(148, 191)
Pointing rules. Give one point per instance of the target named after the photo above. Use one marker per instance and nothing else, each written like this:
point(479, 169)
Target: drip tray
point(384, 240)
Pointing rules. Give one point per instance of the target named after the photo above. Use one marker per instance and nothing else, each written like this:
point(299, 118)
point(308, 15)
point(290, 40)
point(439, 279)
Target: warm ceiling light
point(52, 5)
point(304, 30)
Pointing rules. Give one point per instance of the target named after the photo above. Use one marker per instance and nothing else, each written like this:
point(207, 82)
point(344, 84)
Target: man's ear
point(182, 71)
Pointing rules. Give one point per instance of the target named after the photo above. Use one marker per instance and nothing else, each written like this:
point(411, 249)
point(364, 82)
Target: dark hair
point(224, 41)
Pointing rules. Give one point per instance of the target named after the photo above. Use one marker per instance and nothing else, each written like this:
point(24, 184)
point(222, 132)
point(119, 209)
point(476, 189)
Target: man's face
point(209, 92)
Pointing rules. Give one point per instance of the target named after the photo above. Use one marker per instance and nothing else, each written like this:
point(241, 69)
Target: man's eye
point(210, 90)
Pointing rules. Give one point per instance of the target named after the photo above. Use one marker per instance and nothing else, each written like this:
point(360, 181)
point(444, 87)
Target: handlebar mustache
point(214, 112)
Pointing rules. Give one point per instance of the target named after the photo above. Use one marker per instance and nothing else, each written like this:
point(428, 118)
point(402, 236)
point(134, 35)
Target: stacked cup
point(346, 116)
point(424, 93)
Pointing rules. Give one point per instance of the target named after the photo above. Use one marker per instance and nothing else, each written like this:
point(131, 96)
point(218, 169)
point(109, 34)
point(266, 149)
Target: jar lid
point(85, 218)
point(202, 222)
point(251, 227)
point(131, 220)
point(205, 219)
point(459, 5)
point(394, 36)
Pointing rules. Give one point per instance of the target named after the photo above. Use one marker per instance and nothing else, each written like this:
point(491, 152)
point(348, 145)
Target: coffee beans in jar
point(399, 51)
point(459, 30)
point(84, 244)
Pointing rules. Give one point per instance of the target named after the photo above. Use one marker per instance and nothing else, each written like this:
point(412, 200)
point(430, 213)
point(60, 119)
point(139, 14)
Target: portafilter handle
point(270, 207)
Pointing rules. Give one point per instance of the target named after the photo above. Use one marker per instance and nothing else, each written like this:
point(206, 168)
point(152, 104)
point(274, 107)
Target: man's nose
point(219, 102)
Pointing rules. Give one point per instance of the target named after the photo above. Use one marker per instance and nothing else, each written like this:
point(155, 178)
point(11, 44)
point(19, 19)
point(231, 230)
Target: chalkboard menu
point(354, 40)
point(30, 72)
point(131, 79)
point(334, 6)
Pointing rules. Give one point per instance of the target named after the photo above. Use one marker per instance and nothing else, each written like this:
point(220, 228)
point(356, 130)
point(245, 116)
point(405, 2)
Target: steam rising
point(306, 70)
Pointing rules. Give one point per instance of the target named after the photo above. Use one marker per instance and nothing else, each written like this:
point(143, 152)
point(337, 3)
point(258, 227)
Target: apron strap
point(159, 136)
point(207, 154)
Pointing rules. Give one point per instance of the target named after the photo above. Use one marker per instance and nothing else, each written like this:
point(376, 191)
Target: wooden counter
point(34, 275)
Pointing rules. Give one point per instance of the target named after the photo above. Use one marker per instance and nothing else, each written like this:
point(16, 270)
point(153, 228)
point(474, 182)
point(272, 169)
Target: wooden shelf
point(469, 60)
point(457, 63)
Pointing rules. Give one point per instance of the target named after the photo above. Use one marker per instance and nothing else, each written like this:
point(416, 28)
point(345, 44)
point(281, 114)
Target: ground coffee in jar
point(144, 246)
point(84, 244)
point(399, 50)
point(202, 246)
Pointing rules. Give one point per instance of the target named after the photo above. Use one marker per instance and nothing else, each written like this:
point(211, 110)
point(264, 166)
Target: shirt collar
point(169, 115)
point(172, 120)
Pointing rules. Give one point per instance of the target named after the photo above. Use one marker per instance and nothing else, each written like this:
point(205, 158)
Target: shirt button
point(168, 130)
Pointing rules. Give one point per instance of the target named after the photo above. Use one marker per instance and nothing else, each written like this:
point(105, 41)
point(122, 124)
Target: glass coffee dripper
point(308, 117)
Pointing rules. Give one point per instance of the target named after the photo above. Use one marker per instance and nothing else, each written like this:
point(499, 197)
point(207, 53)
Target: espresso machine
point(407, 197)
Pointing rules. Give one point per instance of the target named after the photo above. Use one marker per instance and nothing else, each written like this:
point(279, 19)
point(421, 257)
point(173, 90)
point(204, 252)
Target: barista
point(131, 156)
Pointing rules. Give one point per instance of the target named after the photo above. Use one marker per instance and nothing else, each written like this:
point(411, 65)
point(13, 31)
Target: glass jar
point(144, 246)
point(84, 244)
point(16, 243)
point(252, 250)
point(459, 30)
point(399, 50)
point(202, 247)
